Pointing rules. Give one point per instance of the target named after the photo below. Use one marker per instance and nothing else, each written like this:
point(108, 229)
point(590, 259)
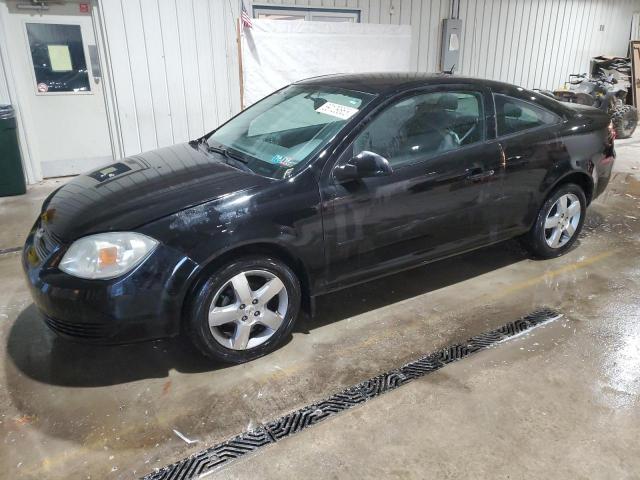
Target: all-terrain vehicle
point(606, 93)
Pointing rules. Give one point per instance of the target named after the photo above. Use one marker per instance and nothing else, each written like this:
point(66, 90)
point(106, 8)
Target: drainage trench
point(4, 251)
point(213, 458)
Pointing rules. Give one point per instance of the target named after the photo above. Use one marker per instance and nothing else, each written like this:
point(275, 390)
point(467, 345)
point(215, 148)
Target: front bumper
point(144, 304)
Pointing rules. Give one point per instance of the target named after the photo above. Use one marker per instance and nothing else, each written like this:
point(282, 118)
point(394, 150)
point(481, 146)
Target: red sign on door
point(84, 8)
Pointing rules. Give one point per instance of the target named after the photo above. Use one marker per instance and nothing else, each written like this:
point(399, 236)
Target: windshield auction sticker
point(337, 110)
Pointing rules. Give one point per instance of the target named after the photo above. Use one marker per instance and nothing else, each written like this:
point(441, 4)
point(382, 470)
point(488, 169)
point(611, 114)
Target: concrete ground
point(562, 401)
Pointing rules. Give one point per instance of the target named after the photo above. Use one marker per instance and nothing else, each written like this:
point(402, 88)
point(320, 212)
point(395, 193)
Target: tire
point(243, 327)
point(547, 242)
point(624, 119)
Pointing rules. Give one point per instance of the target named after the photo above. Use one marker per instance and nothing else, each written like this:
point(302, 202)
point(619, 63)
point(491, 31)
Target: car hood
point(140, 189)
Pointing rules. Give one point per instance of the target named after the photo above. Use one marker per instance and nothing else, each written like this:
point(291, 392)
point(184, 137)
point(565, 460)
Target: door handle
point(522, 157)
point(478, 174)
point(95, 63)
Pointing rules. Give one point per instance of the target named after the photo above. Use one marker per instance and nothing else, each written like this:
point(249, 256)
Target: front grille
point(81, 330)
point(44, 243)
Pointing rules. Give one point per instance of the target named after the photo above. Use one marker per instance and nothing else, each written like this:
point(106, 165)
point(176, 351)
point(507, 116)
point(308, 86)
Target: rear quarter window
point(514, 115)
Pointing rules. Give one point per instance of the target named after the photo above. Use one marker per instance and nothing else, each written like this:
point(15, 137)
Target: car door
point(435, 143)
point(526, 132)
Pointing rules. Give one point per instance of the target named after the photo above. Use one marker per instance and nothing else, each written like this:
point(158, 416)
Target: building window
point(306, 14)
point(58, 58)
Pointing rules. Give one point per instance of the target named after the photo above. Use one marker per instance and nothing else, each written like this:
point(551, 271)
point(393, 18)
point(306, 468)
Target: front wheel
point(244, 310)
point(558, 223)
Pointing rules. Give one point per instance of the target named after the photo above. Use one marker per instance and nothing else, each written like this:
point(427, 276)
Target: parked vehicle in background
point(606, 93)
point(324, 184)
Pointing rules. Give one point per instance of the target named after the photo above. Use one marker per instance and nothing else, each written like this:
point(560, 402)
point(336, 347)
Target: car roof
point(387, 82)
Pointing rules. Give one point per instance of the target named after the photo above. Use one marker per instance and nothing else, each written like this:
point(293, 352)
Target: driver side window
point(422, 126)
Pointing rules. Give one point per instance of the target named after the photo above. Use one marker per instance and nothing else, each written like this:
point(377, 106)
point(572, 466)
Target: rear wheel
point(624, 119)
point(245, 310)
point(558, 223)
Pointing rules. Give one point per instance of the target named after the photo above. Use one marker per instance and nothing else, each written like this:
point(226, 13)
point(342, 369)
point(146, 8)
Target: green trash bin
point(11, 173)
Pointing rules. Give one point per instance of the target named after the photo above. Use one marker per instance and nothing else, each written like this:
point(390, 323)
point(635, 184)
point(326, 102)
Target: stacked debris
point(618, 68)
point(606, 87)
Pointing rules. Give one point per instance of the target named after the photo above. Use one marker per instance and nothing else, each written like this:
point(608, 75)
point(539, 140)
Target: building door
point(58, 81)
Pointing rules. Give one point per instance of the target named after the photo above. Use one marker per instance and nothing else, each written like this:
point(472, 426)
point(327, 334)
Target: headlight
point(106, 255)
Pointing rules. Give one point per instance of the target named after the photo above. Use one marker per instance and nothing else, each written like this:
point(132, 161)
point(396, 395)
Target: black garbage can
point(11, 173)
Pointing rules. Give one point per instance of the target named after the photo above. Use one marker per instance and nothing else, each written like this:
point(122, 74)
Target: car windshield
point(286, 128)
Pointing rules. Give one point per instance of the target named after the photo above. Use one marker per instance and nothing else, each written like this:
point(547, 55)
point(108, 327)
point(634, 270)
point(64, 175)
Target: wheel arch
point(259, 248)
point(582, 179)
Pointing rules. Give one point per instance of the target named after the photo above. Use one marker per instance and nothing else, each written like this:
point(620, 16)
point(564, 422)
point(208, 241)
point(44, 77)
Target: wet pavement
point(561, 401)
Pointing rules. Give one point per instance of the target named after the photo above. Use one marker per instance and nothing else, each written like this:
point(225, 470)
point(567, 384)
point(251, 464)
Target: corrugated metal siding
point(4, 87)
point(5, 77)
point(537, 44)
point(174, 68)
point(533, 43)
point(174, 62)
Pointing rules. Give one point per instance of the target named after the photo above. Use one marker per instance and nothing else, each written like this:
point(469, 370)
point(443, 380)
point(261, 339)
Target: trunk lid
point(592, 115)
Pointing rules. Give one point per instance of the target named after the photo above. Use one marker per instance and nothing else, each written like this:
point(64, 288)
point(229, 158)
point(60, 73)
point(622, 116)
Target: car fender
point(283, 217)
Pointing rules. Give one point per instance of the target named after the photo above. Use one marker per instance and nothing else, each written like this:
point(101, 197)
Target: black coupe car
point(325, 183)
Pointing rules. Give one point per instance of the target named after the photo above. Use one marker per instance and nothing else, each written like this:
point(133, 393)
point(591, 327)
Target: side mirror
point(365, 164)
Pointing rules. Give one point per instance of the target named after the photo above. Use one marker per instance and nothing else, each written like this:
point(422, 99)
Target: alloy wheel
point(562, 220)
point(248, 309)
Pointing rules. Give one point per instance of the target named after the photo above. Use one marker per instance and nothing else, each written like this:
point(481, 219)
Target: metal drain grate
point(222, 453)
point(4, 251)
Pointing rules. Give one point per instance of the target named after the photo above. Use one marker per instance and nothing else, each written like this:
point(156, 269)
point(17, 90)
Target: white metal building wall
point(538, 43)
point(533, 43)
point(174, 68)
point(174, 62)
point(4, 86)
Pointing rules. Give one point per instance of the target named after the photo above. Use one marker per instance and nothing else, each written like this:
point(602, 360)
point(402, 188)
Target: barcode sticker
point(337, 110)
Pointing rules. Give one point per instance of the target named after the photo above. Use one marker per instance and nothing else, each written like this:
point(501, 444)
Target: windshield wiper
point(239, 162)
point(224, 152)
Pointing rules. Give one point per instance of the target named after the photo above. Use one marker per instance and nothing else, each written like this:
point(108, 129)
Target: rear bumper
point(603, 171)
point(144, 304)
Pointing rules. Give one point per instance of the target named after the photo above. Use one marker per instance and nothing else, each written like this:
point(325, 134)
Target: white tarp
point(278, 52)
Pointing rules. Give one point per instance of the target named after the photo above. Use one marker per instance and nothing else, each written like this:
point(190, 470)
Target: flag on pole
point(245, 18)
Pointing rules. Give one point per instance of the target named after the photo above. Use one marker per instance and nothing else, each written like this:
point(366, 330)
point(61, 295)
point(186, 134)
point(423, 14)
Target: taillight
point(609, 148)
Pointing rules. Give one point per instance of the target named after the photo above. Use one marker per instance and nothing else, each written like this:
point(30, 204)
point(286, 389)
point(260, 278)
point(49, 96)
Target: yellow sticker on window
point(60, 58)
